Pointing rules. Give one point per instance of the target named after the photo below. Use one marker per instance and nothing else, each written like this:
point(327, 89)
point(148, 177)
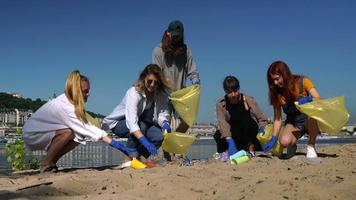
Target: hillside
point(7, 101)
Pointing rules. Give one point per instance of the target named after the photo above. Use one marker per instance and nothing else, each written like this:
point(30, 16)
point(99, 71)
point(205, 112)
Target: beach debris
point(339, 179)
point(136, 164)
point(186, 162)
point(150, 163)
point(35, 185)
point(239, 157)
point(196, 190)
point(224, 156)
point(235, 178)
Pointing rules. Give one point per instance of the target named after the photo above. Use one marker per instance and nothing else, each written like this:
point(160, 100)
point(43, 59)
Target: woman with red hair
point(286, 88)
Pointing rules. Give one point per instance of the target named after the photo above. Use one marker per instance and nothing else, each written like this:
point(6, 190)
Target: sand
point(333, 176)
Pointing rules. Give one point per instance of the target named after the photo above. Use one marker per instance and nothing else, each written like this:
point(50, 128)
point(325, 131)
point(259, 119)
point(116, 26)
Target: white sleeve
point(162, 108)
point(83, 128)
point(131, 110)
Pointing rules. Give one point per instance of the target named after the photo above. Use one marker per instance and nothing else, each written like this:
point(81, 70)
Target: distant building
point(14, 94)
point(14, 117)
point(202, 129)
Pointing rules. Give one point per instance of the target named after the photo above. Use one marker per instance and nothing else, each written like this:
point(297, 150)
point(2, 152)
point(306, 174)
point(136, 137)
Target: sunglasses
point(154, 82)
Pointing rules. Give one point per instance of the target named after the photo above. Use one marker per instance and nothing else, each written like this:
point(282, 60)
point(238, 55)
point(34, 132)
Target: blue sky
point(111, 42)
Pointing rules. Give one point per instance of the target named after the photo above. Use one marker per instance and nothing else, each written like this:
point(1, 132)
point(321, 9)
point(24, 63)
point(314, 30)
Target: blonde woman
point(142, 114)
point(61, 124)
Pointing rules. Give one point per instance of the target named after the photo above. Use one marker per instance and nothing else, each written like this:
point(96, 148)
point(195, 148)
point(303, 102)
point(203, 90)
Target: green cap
point(176, 28)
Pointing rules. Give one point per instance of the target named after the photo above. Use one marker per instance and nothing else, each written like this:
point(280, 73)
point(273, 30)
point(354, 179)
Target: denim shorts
point(298, 121)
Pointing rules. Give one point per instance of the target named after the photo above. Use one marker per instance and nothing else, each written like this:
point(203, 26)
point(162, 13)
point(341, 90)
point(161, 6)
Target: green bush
point(16, 156)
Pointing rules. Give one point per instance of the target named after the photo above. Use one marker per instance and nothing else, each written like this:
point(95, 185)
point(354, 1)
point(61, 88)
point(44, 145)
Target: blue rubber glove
point(261, 130)
point(148, 145)
point(196, 82)
point(304, 100)
point(166, 126)
point(126, 150)
point(269, 145)
point(231, 146)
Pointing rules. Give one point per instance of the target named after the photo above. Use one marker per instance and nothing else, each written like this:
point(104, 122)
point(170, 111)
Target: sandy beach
point(333, 176)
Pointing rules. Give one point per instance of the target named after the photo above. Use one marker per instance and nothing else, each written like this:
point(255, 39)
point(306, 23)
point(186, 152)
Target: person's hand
point(196, 82)
point(270, 144)
point(231, 146)
point(166, 126)
point(126, 150)
point(304, 100)
point(148, 145)
point(261, 130)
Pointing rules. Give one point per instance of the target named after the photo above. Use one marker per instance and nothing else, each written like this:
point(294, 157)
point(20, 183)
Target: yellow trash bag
point(186, 103)
point(92, 120)
point(277, 150)
point(331, 114)
point(176, 142)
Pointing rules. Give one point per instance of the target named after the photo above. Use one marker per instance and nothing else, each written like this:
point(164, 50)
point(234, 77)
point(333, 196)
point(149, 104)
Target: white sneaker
point(291, 151)
point(311, 153)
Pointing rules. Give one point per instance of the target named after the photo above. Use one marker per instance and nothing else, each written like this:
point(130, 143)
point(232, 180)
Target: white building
point(202, 129)
point(14, 117)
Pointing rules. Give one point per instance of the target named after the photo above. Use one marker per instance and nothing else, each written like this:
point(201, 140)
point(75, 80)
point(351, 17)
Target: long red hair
point(288, 90)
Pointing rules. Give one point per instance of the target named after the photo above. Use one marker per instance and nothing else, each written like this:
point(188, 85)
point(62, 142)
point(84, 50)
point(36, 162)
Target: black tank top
point(239, 116)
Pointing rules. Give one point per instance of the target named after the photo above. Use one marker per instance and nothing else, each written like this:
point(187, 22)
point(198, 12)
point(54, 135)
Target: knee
point(285, 141)
point(155, 136)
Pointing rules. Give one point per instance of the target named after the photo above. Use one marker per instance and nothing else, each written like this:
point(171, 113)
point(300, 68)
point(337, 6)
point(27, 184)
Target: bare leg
point(182, 127)
point(61, 144)
point(70, 146)
point(251, 147)
point(313, 130)
point(290, 135)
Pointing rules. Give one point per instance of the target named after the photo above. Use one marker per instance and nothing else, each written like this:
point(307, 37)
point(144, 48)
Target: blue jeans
point(152, 132)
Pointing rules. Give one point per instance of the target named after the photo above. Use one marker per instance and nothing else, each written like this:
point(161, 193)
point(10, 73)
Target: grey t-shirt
point(177, 70)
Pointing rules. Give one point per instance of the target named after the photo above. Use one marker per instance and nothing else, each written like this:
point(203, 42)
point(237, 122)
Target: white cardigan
point(58, 114)
point(132, 106)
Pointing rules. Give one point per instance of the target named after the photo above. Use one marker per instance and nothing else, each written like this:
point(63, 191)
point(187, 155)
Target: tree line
point(7, 101)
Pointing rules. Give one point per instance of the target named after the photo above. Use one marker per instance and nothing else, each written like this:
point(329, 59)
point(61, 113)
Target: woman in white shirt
point(141, 114)
point(61, 124)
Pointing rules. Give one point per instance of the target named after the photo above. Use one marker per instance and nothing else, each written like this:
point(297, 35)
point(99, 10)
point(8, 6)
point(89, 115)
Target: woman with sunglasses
point(141, 114)
point(284, 89)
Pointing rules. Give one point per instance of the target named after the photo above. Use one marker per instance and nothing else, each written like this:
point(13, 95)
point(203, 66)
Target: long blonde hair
point(74, 93)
